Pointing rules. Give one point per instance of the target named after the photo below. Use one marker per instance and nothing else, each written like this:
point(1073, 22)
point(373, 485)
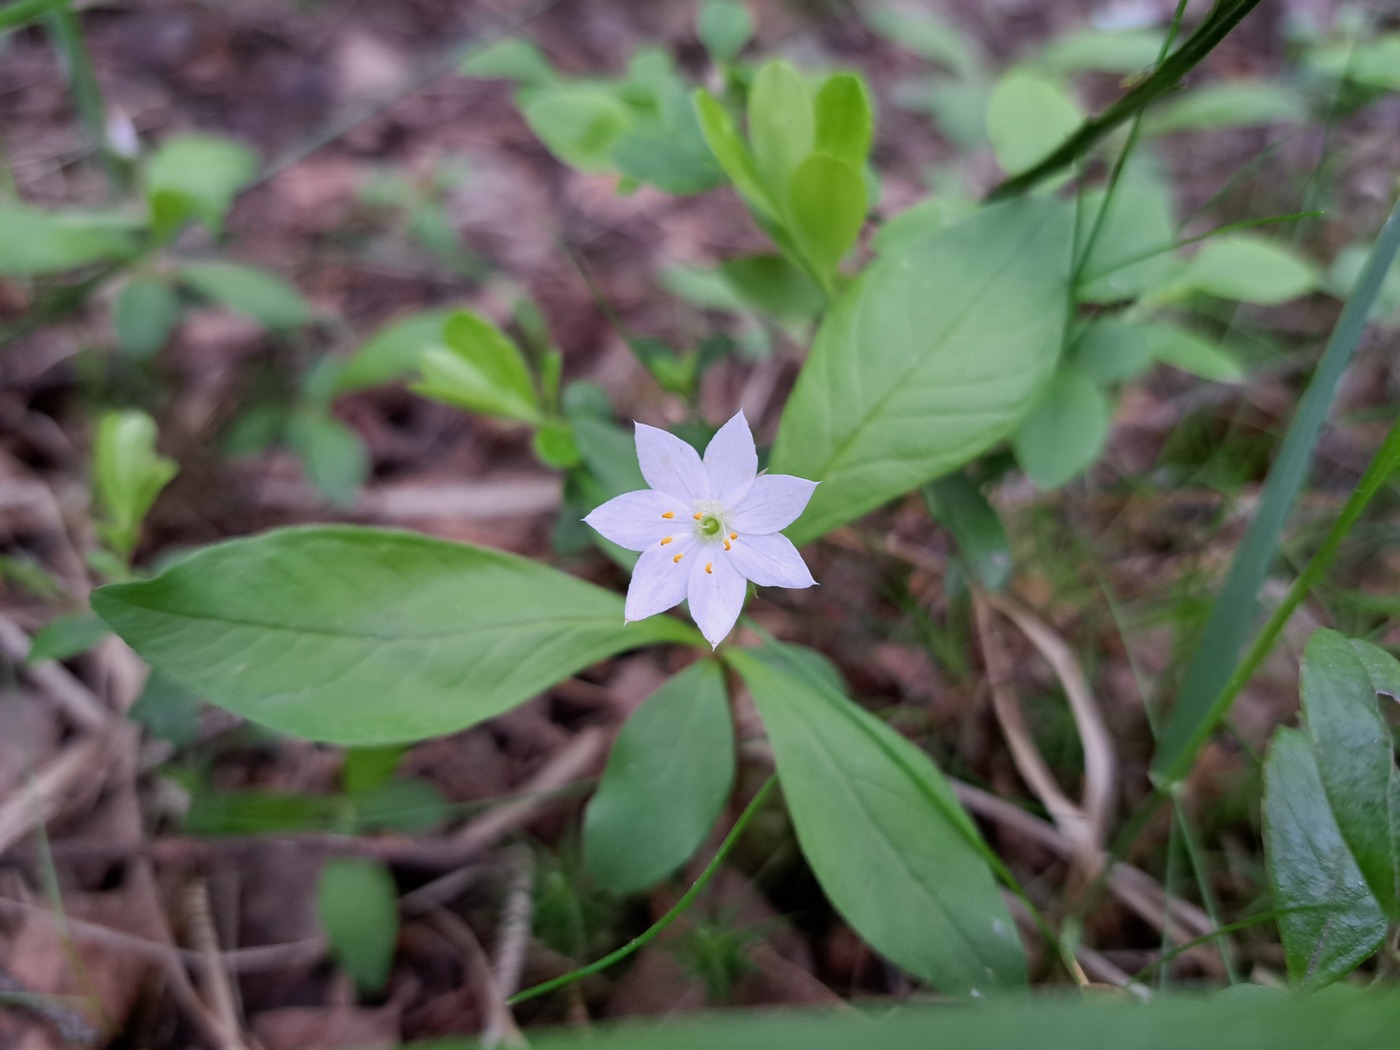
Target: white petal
point(659, 581)
point(770, 561)
point(774, 502)
point(731, 461)
point(716, 596)
point(634, 519)
point(670, 465)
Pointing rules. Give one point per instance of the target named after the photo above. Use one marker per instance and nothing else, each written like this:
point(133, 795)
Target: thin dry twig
point(515, 926)
point(214, 980)
point(78, 702)
point(498, 1025)
point(41, 797)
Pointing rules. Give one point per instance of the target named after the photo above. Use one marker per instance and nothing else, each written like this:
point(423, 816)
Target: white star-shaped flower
point(705, 527)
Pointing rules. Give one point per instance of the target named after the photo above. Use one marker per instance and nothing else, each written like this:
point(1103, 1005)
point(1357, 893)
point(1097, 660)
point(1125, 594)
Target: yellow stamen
point(726, 544)
point(667, 540)
point(710, 567)
point(697, 517)
point(678, 557)
point(733, 535)
point(669, 514)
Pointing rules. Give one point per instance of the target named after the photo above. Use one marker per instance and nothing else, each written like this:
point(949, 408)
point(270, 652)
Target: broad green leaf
point(667, 777)
point(781, 125)
point(358, 906)
point(884, 834)
point(144, 314)
point(392, 353)
point(1383, 668)
point(479, 369)
point(923, 220)
point(1246, 268)
point(960, 111)
point(1244, 1018)
point(732, 152)
point(1371, 62)
point(1329, 920)
point(827, 201)
point(362, 636)
point(927, 360)
point(1127, 259)
point(1228, 105)
point(555, 446)
point(773, 285)
point(509, 59)
point(332, 454)
point(724, 27)
point(248, 290)
point(1356, 760)
point(1112, 351)
point(1126, 52)
point(668, 150)
point(206, 171)
point(66, 636)
point(1027, 117)
point(127, 475)
point(960, 505)
point(844, 123)
point(1184, 349)
point(35, 242)
point(926, 34)
point(578, 123)
point(1065, 430)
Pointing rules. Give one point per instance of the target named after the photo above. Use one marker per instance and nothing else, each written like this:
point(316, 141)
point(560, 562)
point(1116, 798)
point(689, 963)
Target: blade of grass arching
point(67, 37)
point(1167, 77)
point(1205, 695)
point(1196, 855)
point(23, 12)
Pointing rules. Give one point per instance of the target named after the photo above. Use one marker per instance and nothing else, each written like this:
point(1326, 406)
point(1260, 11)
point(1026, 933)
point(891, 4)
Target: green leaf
point(1245, 1018)
point(925, 219)
point(781, 126)
point(362, 636)
point(844, 123)
point(668, 150)
point(1246, 268)
point(509, 59)
point(260, 812)
point(900, 388)
point(479, 369)
point(332, 454)
point(1112, 351)
point(827, 198)
point(248, 290)
point(1239, 104)
point(1345, 271)
point(724, 27)
point(732, 152)
point(409, 807)
point(926, 34)
point(1027, 117)
point(773, 285)
point(960, 505)
point(1356, 760)
point(578, 123)
point(144, 314)
point(42, 242)
point(667, 778)
point(66, 636)
point(205, 171)
point(1065, 430)
point(127, 475)
point(883, 832)
point(960, 111)
point(358, 905)
point(1329, 920)
point(367, 769)
point(1181, 348)
point(1126, 260)
point(392, 353)
point(167, 710)
point(555, 446)
point(1126, 52)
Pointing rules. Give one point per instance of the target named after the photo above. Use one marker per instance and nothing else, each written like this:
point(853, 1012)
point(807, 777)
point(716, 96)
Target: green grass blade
point(23, 12)
point(1204, 700)
point(67, 39)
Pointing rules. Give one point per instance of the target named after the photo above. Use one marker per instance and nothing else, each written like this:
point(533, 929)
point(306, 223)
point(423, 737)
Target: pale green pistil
point(710, 526)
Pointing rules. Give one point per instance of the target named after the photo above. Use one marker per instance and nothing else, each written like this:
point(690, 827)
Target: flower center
point(710, 526)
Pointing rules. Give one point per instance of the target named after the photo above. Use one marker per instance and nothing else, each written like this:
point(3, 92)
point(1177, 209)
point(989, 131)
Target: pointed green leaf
point(1027, 117)
point(883, 832)
point(127, 475)
point(206, 171)
point(827, 201)
point(579, 124)
point(844, 121)
point(34, 242)
point(509, 59)
point(668, 775)
point(144, 313)
point(362, 636)
point(66, 636)
point(927, 360)
point(248, 290)
point(479, 369)
point(960, 505)
point(1227, 105)
point(1112, 351)
point(1181, 348)
point(724, 27)
point(392, 353)
point(1126, 259)
point(358, 905)
point(732, 152)
point(1065, 430)
point(1329, 920)
point(1246, 268)
point(781, 127)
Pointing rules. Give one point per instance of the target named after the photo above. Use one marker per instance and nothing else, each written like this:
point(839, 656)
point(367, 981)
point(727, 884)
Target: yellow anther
point(733, 535)
point(669, 514)
point(710, 567)
point(678, 557)
point(667, 540)
point(726, 544)
point(697, 516)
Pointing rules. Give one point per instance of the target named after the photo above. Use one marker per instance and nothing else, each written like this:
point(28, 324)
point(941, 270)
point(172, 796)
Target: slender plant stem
point(1195, 853)
point(680, 906)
